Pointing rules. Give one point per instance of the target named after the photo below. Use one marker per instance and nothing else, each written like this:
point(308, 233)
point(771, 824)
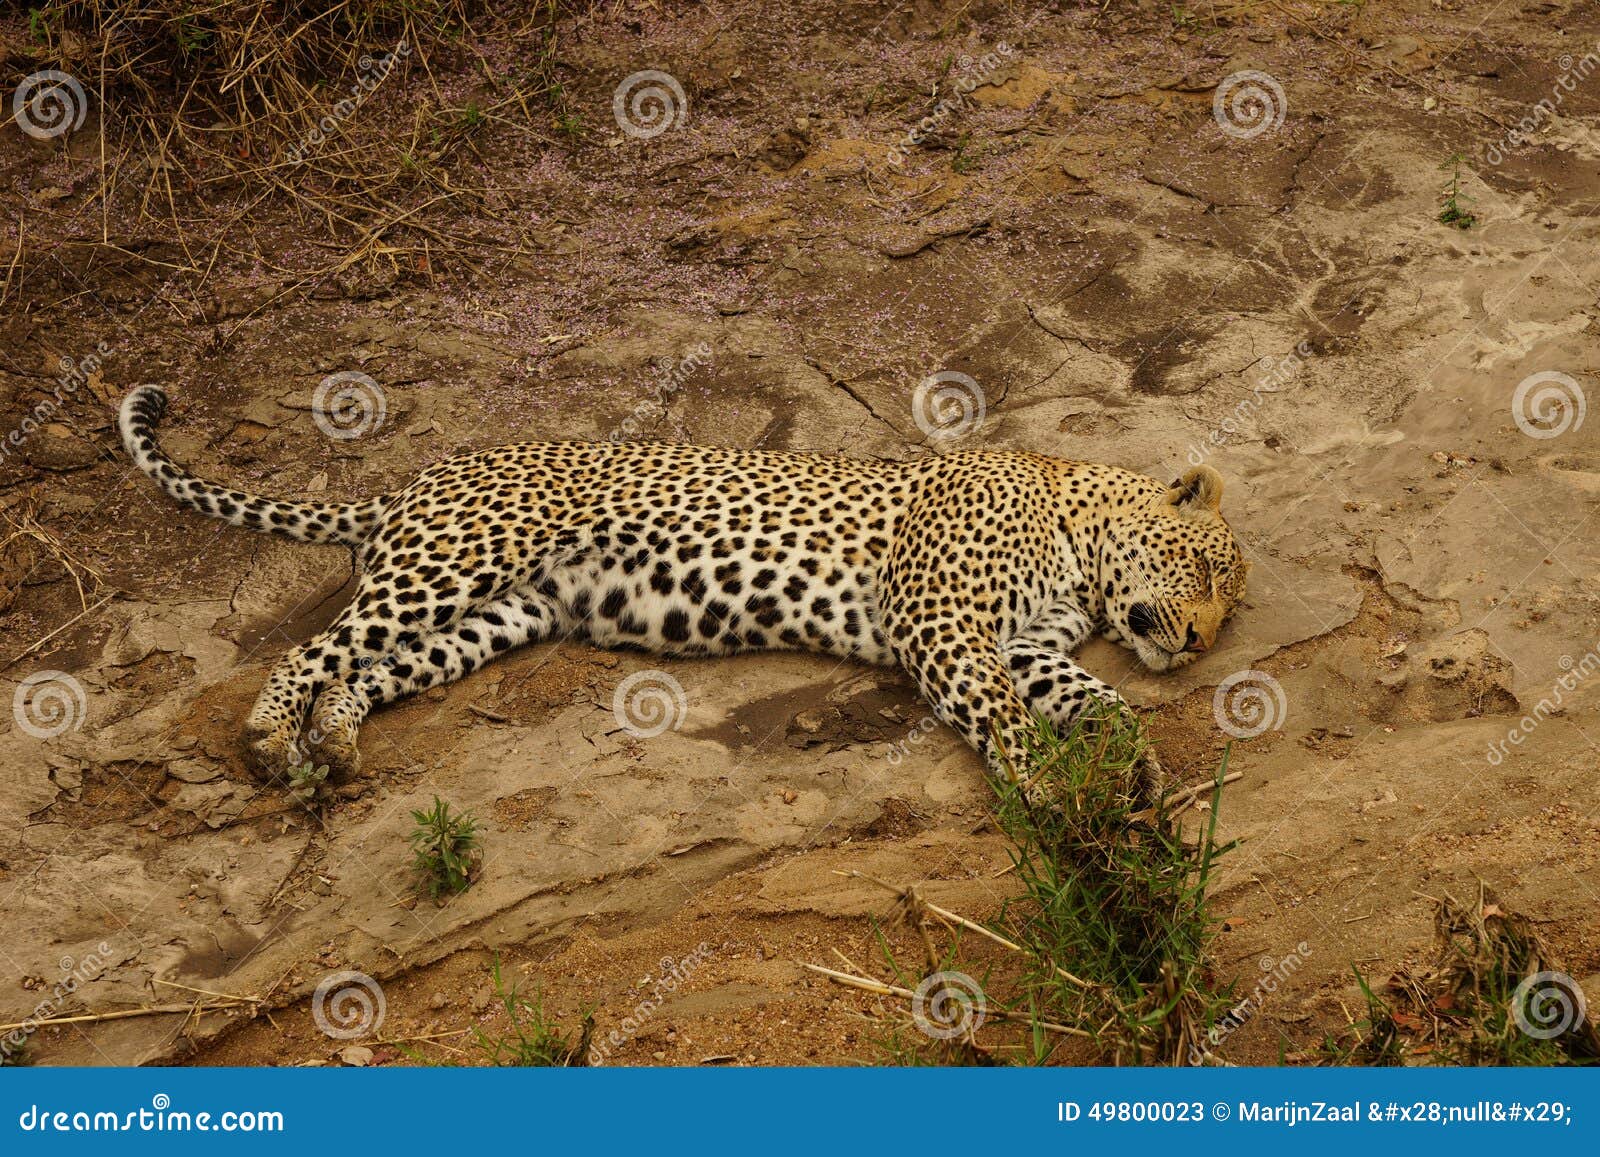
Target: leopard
point(979, 572)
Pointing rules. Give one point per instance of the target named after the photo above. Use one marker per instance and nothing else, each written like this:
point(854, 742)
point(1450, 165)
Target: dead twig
point(867, 984)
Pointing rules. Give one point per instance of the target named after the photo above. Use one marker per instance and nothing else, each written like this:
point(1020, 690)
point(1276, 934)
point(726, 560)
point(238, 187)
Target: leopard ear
point(1199, 489)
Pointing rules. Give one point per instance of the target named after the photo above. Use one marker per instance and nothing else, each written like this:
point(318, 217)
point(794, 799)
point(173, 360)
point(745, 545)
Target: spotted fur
point(978, 572)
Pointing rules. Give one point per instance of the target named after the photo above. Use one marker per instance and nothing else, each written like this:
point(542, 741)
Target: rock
point(810, 721)
point(57, 449)
point(784, 149)
point(193, 771)
point(358, 1056)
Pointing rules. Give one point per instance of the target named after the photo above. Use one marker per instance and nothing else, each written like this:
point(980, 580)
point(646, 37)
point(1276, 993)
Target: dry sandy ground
point(1121, 278)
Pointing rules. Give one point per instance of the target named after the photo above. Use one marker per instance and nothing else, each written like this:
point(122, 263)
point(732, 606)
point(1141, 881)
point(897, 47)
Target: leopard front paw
point(272, 753)
point(333, 734)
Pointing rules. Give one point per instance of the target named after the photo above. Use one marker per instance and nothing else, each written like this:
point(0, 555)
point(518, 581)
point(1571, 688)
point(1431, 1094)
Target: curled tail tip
point(137, 419)
point(141, 411)
point(144, 407)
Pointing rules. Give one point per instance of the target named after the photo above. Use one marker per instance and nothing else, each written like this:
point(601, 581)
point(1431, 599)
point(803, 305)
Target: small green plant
point(568, 124)
point(906, 1048)
point(13, 1056)
point(966, 158)
point(472, 116)
point(1375, 1041)
point(307, 783)
point(1451, 211)
point(447, 849)
point(531, 1037)
point(1182, 17)
point(191, 36)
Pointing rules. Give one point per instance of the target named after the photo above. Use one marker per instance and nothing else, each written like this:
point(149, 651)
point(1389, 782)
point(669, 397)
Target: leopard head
point(1173, 572)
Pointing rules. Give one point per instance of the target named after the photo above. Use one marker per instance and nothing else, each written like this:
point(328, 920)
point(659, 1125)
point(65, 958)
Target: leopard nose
point(1193, 642)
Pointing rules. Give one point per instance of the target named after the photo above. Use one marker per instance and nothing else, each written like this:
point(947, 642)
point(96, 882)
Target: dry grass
point(208, 108)
point(1494, 995)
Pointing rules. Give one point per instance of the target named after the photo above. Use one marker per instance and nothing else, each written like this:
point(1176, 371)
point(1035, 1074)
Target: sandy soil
point(1125, 281)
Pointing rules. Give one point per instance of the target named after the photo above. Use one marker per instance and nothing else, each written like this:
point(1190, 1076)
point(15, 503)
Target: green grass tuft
point(447, 849)
point(532, 1039)
point(1451, 211)
point(1113, 914)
